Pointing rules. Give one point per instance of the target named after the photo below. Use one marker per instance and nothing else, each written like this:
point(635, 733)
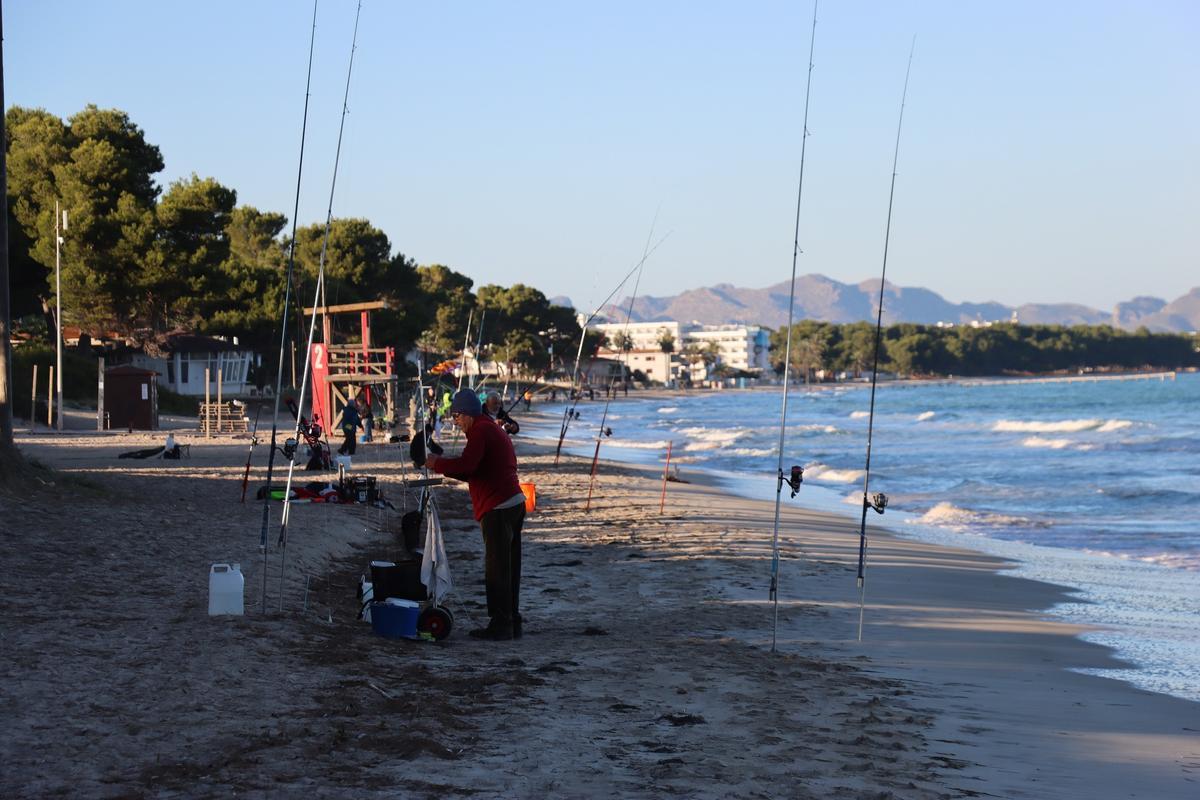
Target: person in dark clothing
point(368, 418)
point(494, 408)
point(350, 425)
point(489, 466)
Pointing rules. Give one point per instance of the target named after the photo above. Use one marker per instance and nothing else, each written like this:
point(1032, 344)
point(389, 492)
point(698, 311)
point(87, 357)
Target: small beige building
point(656, 365)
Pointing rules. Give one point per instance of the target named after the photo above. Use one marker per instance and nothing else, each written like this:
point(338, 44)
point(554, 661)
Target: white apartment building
point(742, 347)
point(645, 335)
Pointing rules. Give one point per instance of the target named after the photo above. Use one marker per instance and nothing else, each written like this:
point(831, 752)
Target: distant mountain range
point(827, 300)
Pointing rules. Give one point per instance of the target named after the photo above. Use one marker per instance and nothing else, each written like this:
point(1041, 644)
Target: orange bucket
point(530, 492)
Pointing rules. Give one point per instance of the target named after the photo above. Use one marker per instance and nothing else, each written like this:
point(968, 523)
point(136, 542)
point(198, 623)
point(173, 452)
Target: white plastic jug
point(226, 586)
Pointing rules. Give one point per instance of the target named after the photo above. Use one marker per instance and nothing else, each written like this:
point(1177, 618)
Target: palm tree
point(666, 342)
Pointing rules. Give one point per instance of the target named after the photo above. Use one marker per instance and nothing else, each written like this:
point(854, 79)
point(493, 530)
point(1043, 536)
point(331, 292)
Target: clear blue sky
point(1050, 153)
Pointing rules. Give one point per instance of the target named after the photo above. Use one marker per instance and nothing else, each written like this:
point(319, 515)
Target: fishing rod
point(250, 454)
point(611, 388)
point(569, 413)
point(878, 501)
point(317, 298)
point(283, 326)
point(466, 343)
point(479, 347)
point(796, 475)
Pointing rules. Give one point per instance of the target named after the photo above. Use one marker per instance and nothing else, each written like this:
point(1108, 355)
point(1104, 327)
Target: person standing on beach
point(368, 418)
point(489, 466)
point(350, 425)
point(493, 406)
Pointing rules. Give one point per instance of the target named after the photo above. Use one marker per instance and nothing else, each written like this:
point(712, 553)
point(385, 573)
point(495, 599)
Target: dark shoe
point(492, 634)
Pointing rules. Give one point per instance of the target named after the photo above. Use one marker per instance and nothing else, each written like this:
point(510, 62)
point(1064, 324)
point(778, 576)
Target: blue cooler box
point(395, 618)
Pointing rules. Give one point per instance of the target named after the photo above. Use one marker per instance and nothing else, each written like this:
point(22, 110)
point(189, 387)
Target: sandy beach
point(646, 668)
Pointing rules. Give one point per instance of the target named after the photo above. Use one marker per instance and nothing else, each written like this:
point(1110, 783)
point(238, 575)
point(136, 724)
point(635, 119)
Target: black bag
point(410, 530)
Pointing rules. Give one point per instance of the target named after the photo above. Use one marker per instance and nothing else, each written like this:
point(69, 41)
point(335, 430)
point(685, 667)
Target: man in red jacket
point(489, 466)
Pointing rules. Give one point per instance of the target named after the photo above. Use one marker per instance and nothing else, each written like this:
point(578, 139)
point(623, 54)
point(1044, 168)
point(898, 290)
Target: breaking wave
point(816, 428)
point(1051, 444)
point(859, 414)
point(827, 474)
point(753, 452)
point(660, 445)
point(1060, 426)
point(924, 415)
point(711, 439)
point(947, 515)
point(668, 409)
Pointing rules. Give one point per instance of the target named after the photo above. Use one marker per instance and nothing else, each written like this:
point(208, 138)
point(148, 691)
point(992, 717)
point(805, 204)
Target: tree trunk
point(6, 417)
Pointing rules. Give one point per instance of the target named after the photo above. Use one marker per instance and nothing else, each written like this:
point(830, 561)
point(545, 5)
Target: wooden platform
point(223, 418)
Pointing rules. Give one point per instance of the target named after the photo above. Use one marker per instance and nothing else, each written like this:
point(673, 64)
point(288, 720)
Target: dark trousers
point(349, 444)
point(502, 563)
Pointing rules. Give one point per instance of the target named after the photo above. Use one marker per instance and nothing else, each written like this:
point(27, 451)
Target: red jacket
point(488, 465)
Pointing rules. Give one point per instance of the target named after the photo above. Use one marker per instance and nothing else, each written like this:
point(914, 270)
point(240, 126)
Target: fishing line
point(283, 326)
point(797, 472)
point(569, 412)
point(878, 502)
point(611, 389)
point(318, 295)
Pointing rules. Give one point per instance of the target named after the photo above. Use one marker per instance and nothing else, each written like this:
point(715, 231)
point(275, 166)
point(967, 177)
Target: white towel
point(435, 569)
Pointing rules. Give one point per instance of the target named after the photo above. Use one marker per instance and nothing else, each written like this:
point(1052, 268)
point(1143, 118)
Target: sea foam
point(827, 474)
point(1051, 444)
point(948, 515)
point(711, 438)
point(1060, 426)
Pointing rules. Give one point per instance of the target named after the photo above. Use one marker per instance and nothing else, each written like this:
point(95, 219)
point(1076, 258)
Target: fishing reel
point(794, 479)
point(288, 449)
point(608, 431)
point(878, 502)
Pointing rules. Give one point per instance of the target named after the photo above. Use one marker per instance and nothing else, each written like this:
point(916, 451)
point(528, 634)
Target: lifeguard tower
point(340, 372)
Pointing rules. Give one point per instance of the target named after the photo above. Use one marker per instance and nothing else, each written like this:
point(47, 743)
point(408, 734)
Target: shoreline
point(1115, 589)
point(1016, 710)
point(645, 671)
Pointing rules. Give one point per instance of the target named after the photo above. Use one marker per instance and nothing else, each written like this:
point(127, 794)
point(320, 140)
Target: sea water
point(1089, 484)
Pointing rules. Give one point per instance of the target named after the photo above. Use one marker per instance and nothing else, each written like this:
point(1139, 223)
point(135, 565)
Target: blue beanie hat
point(466, 402)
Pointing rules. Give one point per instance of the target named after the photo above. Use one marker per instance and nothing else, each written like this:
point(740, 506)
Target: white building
point(644, 335)
point(739, 347)
point(656, 365)
point(181, 365)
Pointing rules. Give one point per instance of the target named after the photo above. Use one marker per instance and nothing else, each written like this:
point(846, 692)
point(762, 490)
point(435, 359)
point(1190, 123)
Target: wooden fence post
point(207, 404)
point(33, 401)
